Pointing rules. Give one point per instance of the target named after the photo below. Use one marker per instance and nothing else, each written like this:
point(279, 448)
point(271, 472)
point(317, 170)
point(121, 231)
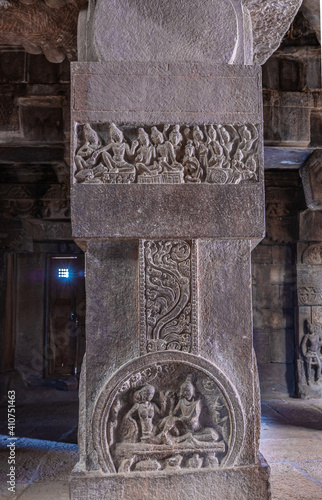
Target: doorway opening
point(65, 315)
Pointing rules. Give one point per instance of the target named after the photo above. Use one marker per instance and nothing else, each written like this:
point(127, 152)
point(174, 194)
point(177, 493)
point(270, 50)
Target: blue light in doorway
point(63, 273)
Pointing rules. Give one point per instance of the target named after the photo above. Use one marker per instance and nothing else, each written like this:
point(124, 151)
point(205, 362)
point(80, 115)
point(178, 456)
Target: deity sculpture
point(119, 149)
point(183, 423)
point(311, 347)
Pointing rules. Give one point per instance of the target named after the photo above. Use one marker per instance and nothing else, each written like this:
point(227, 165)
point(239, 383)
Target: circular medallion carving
point(167, 411)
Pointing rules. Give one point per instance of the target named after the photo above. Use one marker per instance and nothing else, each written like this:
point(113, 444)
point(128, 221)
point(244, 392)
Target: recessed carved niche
point(167, 154)
point(170, 413)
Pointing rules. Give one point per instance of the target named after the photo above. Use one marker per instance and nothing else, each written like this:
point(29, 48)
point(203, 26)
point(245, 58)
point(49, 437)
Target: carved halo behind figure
point(167, 411)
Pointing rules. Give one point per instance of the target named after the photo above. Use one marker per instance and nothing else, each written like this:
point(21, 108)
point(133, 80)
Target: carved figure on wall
point(201, 147)
point(192, 170)
point(166, 421)
point(218, 154)
point(184, 420)
point(172, 148)
point(145, 154)
point(116, 162)
point(217, 157)
point(311, 347)
point(146, 411)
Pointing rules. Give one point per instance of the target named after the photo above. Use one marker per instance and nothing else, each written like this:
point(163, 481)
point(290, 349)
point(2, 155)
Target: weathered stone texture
point(164, 211)
point(244, 483)
point(178, 31)
point(272, 19)
point(165, 93)
point(225, 315)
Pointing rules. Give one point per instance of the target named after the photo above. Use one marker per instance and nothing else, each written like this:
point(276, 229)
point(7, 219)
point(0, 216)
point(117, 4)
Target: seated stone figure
point(115, 162)
point(183, 424)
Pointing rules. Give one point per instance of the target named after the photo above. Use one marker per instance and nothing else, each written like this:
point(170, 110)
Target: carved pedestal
point(167, 201)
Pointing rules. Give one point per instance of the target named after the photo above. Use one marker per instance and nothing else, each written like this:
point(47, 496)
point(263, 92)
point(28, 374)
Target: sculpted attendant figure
point(216, 151)
point(145, 153)
point(120, 148)
point(201, 147)
point(164, 151)
point(88, 153)
point(311, 349)
point(192, 170)
point(145, 410)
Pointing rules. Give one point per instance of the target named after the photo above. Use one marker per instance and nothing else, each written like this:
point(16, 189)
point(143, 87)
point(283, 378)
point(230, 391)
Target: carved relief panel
point(313, 255)
point(167, 154)
point(168, 296)
point(167, 415)
point(311, 351)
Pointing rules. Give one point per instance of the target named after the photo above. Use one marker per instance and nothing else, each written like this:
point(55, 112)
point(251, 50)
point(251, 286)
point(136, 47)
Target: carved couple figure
point(182, 424)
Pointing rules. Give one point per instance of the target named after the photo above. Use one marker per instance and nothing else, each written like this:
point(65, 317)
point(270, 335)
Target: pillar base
point(246, 482)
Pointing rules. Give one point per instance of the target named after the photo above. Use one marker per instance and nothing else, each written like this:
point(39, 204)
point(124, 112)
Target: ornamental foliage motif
point(168, 296)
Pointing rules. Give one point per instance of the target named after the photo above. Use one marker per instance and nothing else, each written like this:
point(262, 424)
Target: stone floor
point(46, 451)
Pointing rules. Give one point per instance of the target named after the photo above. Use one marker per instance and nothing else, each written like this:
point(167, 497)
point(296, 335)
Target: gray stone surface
point(161, 211)
point(226, 323)
point(310, 225)
point(239, 482)
point(273, 19)
point(183, 31)
point(275, 157)
point(111, 319)
point(180, 31)
point(165, 93)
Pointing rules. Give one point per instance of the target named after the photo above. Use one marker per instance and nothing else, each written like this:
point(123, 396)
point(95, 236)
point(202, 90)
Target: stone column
point(309, 283)
point(167, 200)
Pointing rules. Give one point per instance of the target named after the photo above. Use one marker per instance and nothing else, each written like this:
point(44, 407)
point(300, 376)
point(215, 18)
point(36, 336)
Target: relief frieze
point(168, 319)
point(167, 154)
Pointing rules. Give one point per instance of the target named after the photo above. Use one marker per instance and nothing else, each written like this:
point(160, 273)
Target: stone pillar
point(309, 282)
point(167, 200)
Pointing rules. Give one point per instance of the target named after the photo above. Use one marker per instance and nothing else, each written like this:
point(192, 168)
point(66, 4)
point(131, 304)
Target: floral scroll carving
point(167, 154)
point(167, 417)
point(168, 296)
